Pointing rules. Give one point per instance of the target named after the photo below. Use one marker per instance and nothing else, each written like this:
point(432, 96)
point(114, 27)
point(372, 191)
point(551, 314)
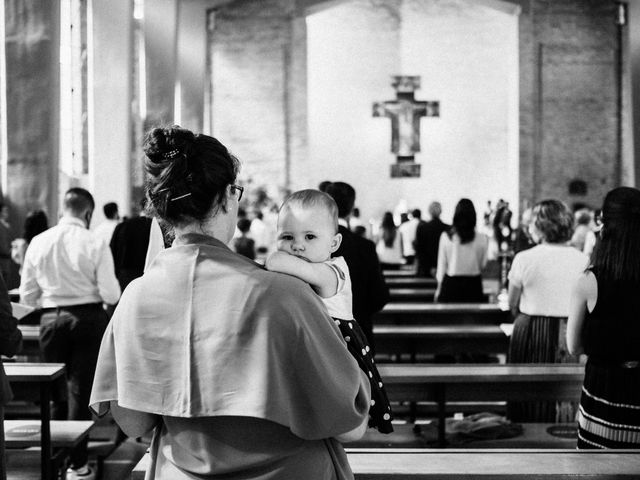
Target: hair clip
point(181, 197)
point(172, 154)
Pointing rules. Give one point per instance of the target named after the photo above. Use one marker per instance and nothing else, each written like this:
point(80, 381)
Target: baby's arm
point(321, 277)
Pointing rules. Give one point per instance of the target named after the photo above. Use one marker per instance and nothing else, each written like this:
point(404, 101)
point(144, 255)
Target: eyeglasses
point(238, 188)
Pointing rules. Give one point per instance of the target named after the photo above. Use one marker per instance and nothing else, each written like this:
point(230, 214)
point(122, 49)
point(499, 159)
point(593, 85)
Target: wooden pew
point(441, 383)
point(439, 339)
point(433, 464)
point(423, 294)
point(36, 381)
point(410, 282)
point(425, 313)
point(14, 295)
point(30, 341)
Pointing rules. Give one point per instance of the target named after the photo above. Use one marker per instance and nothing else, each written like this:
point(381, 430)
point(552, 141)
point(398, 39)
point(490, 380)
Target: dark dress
point(609, 415)
point(380, 415)
point(540, 339)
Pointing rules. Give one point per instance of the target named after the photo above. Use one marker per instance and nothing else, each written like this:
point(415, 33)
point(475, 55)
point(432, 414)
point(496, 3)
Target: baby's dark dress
point(339, 307)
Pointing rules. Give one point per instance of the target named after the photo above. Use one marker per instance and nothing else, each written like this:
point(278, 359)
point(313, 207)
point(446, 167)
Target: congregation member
point(428, 240)
point(389, 243)
point(70, 274)
point(10, 342)
point(104, 231)
point(584, 228)
point(407, 232)
point(522, 238)
point(35, 223)
point(307, 236)
point(245, 245)
point(5, 243)
point(129, 245)
point(260, 232)
point(462, 254)
point(240, 372)
point(370, 292)
point(540, 282)
point(603, 323)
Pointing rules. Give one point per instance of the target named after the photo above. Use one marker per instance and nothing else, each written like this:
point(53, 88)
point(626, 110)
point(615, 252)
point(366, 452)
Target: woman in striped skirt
point(540, 282)
point(604, 323)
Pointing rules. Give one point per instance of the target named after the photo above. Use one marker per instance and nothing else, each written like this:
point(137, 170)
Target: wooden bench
point(439, 339)
point(433, 464)
point(30, 341)
point(403, 271)
point(36, 381)
point(423, 434)
point(64, 433)
point(424, 313)
point(423, 295)
point(411, 282)
point(441, 383)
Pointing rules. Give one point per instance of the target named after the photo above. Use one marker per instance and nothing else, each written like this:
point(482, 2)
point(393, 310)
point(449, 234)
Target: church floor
point(24, 465)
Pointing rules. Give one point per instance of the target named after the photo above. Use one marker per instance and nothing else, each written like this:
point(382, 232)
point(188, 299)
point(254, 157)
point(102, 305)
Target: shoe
point(84, 473)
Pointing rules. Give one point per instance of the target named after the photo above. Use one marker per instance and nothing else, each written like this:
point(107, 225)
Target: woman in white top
point(388, 246)
point(540, 283)
point(462, 254)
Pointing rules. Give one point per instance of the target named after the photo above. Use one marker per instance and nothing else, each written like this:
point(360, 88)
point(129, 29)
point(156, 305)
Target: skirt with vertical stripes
point(609, 415)
point(539, 339)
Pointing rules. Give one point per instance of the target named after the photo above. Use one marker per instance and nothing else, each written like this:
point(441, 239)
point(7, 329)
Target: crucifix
point(405, 113)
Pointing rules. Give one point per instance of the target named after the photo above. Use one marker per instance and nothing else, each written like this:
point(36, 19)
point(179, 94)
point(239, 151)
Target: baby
point(307, 236)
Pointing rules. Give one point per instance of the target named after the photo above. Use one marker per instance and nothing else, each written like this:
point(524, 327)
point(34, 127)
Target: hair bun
point(164, 144)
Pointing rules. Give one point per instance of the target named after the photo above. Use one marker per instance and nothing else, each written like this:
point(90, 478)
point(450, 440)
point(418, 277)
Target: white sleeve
point(515, 273)
point(108, 286)
point(443, 263)
point(341, 276)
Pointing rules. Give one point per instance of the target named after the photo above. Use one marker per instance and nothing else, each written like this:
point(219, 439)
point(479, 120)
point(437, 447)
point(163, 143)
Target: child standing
point(307, 236)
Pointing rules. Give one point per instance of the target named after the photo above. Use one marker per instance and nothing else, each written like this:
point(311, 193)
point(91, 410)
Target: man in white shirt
point(70, 274)
point(407, 232)
point(104, 231)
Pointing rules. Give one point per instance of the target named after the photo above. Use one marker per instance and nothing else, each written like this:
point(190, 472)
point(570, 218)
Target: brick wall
point(570, 116)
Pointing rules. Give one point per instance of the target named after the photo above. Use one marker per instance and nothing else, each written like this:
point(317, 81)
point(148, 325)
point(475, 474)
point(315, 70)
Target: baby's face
point(307, 233)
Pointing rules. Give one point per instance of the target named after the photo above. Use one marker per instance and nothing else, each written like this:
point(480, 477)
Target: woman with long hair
point(388, 245)
point(462, 254)
point(604, 323)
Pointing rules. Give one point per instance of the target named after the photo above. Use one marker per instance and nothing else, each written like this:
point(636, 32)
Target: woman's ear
point(335, 243)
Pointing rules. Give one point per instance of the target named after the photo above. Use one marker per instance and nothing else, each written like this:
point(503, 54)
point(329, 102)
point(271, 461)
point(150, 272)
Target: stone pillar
point(634, 59)
point(32, 46)
point(191, 70)
point(160, 26)
point(110, 81)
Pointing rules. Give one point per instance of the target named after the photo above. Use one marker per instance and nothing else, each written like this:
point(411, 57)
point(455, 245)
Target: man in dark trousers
point(370, 292)
point(427, 241)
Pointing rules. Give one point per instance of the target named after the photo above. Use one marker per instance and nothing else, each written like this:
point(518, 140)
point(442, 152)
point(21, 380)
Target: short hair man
point(70, 273)
point(428, 240)
point(370, 292)
point(407, 231)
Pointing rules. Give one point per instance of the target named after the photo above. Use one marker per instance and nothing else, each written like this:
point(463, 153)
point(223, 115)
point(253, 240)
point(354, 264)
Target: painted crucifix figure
point(405, 113)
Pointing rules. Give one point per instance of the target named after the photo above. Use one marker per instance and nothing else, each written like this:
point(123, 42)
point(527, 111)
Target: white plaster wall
point(467, 56)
